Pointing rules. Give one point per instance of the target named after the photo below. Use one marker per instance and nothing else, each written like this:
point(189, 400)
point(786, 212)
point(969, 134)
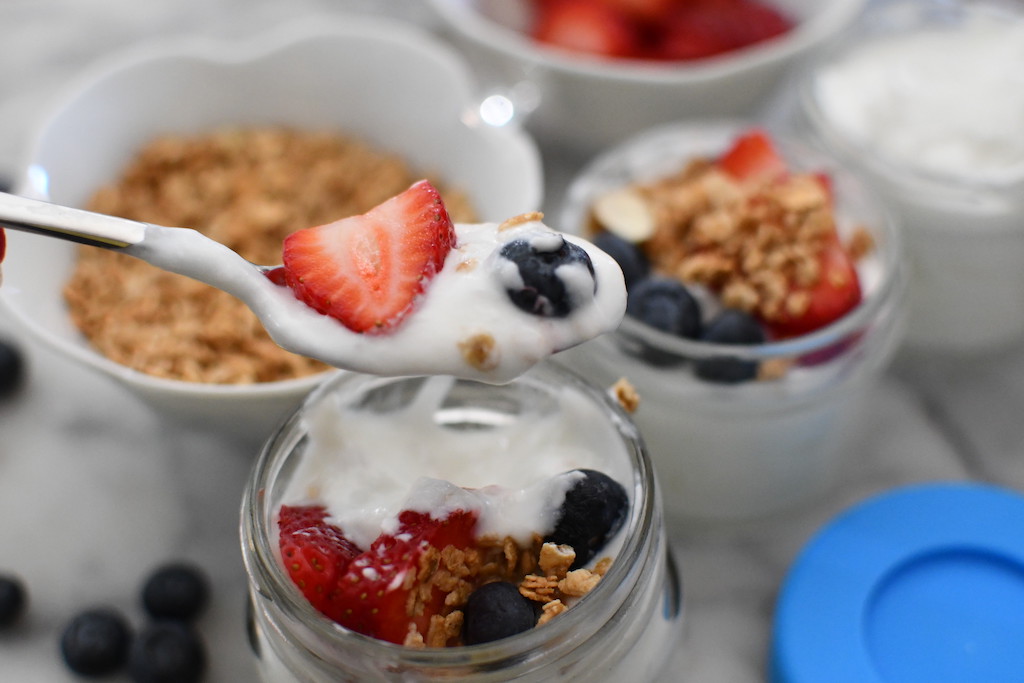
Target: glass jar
point(627, 626)
point(924, 99)
point(736, 451)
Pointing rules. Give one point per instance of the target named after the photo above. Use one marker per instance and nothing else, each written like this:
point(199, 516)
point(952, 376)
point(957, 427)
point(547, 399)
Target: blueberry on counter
point(12, 368)
point(731, 326)
point(539, 289)
point(95, 642)
point(593, 510)
point(496, 610)
point(633, 262)
point(167, 652)
point(13, 599)
point(667, 305)
point(175, 591)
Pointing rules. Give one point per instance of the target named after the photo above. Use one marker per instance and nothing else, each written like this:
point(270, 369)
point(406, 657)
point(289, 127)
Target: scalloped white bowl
point(389, 84)
point(585, 103)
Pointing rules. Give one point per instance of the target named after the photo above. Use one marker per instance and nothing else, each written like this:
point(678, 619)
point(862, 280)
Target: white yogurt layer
point(464, 325)
point(947, 100)
point(368, 466)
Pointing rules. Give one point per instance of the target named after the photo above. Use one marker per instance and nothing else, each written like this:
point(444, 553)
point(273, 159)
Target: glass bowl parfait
point(925, 100)
point(748, 425)
point(627, 624)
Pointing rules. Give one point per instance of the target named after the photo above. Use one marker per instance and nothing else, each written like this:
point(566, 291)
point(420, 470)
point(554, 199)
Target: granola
point(244, 187)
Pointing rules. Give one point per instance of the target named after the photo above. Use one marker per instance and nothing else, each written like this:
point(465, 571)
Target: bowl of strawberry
point(437, 528)
point(584, 74)
point(765, 297)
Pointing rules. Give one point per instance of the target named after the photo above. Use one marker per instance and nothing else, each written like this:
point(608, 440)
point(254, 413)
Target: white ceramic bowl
point(585, 103)
point(739, 451)
point(388, 84)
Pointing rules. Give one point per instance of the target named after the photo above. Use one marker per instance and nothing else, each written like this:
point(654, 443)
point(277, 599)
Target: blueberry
point(175, 591)
point(12, 368)
point(95, 642)
point(593, 510)
point(496, 610)
point(667, 305)
point(631, 259)
point(13, 599)
point(541, 291)
point(730, 327)
point(167, 652)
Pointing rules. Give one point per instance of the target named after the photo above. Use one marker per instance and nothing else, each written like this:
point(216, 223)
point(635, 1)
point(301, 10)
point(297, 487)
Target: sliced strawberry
point(586, 26)
point(315, 553)
point(645, 10)
point(367, 271)
point(384, 589)
point(3, 245)
point(704, 28)
point(752, 157)
point(836, 293)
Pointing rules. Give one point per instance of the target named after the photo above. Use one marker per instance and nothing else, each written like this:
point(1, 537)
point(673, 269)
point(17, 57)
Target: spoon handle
point(76, 225)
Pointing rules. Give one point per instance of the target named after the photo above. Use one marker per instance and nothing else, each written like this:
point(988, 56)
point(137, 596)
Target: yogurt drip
point(946, 100)
point(368, 466)
point(464, 308)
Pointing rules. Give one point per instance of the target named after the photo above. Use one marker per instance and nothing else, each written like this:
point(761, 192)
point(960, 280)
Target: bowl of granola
point(765, 297)
point(246, 142)
point(585, 74)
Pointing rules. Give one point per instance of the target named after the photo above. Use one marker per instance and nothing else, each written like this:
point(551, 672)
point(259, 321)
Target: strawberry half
point(367, 271)
point(387, 589)
point(315, 553)
point(753, 157)
point(836, 294)
point(585, 26)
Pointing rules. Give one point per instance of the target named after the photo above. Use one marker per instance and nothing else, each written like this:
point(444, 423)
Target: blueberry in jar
point(731, 326)
point(631, 259)
point(496, 610)
point(593, 510)
point(95, 642)
point(667, 305)
point(550, 275)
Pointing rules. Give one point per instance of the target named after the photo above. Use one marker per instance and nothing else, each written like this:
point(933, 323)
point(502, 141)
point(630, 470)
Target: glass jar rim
point(269, 577)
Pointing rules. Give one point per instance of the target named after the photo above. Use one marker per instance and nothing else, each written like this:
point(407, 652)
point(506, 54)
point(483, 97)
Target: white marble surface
point(95, 488)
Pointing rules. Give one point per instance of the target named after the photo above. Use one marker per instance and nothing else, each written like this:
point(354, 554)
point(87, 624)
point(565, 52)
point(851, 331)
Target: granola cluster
point(247, 188)
point(758, 244)
point(541, 571)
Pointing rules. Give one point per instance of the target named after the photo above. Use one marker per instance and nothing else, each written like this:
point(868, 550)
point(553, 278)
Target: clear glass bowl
point(738, 451)
point(628, 626)
point(963, 222)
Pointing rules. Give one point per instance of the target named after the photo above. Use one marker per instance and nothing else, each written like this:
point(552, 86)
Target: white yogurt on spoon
point(464, 325)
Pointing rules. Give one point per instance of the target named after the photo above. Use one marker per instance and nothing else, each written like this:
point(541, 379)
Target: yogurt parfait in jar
point(437, 528)
point(926, 100)
point(764, 300)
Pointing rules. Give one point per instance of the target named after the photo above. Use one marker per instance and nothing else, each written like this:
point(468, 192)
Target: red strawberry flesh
point(753, 157)
point(383, 591)
point(315, 552)
point(368, 271)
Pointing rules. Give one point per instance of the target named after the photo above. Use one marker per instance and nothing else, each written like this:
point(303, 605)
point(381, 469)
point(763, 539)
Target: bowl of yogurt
point(925, 100)
point(307, 99)
point(372, 475)
point(765, 291)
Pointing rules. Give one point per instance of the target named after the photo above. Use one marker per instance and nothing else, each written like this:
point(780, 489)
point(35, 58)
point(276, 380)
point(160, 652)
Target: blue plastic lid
point(921, 584)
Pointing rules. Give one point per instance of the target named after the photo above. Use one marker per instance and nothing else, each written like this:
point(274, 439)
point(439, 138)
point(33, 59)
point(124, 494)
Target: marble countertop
point(95, 489)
